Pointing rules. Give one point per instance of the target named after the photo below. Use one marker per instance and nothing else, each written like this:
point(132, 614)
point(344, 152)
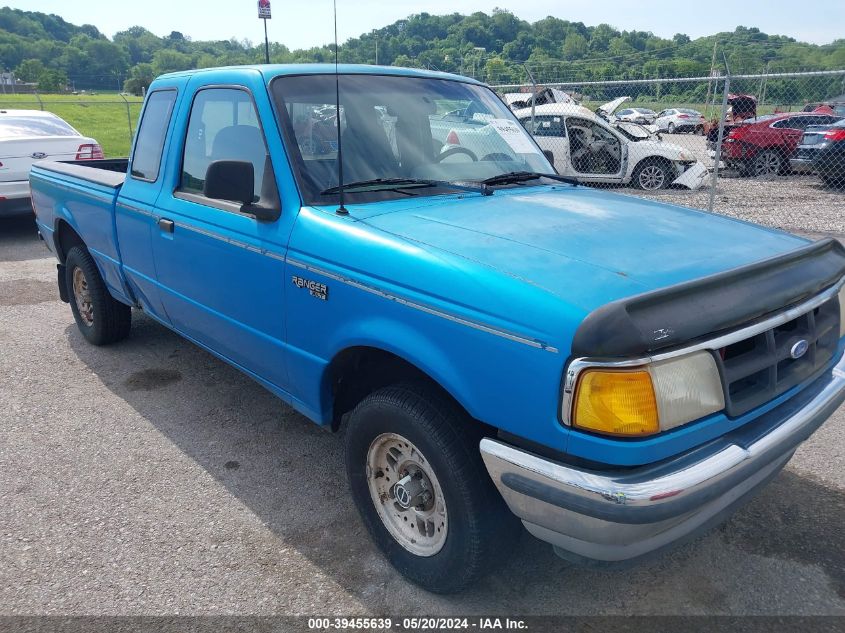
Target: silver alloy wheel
point(651, 177)
point(671, 128)
point(82, 296)
point(407, 495)
point(767, 164)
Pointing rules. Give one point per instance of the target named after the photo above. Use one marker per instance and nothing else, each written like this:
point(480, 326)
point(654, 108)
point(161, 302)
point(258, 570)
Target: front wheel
point(651, 175)
point(101, 318)
point(671, 128)
point(418, 480)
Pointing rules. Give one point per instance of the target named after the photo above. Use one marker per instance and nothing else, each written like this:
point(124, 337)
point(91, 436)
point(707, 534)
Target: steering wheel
point(497, 156)
point(457, 149)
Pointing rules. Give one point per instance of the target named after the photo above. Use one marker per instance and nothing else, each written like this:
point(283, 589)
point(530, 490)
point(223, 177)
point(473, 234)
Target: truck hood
point(584, 246)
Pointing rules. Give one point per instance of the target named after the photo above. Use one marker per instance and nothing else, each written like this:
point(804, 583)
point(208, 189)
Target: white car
point(589, 148)
point(675, 120)
point(643, 116)
point(27, 136)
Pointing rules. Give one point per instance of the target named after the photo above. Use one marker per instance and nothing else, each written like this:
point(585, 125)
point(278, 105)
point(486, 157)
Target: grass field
point(711, 111)
point(102, 116)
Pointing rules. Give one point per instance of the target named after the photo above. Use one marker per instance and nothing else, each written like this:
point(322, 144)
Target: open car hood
point(611, 106)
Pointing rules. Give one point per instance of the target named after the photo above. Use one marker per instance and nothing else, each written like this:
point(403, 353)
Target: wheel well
point(66, 238)
point(358, 371)
point(652, 159)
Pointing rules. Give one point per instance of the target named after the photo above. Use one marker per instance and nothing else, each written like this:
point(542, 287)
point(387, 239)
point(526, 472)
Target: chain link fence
point(765, 147)
point(111, 119)
point(756, 146)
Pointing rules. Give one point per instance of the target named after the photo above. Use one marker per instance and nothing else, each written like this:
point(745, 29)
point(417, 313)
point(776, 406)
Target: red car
point(764, 145)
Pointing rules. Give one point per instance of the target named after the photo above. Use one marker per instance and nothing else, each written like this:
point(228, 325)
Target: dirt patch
point(24, 292)
point(151, 379)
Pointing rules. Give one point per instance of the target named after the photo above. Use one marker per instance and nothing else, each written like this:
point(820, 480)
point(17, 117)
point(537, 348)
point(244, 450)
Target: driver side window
point(223, 126)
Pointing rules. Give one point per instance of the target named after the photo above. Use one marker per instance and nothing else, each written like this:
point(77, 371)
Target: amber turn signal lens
point(616, 402)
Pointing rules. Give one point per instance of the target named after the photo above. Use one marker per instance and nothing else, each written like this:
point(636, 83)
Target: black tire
point(834, 181)
point(481, 529)
point(767, 163)
point(649, 166)
point(107, 320)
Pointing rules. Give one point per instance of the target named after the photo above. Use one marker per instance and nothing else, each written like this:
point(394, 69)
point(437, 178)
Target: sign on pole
point(264, 9)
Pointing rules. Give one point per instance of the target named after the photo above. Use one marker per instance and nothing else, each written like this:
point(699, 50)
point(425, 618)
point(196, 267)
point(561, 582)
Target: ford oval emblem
point(799, 349)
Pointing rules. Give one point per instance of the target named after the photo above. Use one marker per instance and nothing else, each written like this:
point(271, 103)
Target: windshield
point(398, 127)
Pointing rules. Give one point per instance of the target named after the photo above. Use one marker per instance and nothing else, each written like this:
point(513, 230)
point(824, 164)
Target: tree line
point(496, 47)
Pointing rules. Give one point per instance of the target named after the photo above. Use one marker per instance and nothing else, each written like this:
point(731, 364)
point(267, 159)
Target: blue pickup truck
point(389, 252)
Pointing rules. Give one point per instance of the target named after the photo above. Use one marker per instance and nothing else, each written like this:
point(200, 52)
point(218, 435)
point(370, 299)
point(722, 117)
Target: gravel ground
point(151, 478)
point(796, 203)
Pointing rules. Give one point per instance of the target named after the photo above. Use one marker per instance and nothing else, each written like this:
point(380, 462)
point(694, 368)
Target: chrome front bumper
point(611, 518)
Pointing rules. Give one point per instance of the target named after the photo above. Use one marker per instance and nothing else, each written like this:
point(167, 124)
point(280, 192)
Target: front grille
point(760, 368)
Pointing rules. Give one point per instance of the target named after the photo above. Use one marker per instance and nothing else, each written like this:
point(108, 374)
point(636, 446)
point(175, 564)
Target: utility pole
point(765, 83)
point(480, 50)
point(710, 83)
point(264, 14)
point(375, 35)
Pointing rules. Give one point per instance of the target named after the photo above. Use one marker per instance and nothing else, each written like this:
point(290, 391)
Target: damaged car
point(589, 147)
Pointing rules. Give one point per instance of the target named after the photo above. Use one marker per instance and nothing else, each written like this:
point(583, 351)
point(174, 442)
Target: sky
point(304, 24)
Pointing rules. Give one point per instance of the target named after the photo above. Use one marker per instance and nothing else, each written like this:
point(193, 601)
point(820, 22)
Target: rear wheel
point(418, 480)
point(101, 318)
point(767, 163)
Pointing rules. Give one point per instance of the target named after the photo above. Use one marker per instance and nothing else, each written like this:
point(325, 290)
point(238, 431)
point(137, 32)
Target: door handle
point(166, 225)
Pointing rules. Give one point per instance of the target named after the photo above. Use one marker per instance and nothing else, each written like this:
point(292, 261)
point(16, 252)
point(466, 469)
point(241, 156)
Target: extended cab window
point(150, 141)
point(223, 126)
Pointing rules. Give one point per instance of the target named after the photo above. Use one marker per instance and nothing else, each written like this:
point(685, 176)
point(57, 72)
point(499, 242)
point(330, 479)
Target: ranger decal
point(315, 288)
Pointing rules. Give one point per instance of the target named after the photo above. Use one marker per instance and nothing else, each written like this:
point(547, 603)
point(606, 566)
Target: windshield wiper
point(522, 176)
point(376, 184)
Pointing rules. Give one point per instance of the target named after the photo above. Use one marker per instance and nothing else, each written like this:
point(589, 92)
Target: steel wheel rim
point(767, 164)
point(420, 529)
point(651, 177)
point(82, 296)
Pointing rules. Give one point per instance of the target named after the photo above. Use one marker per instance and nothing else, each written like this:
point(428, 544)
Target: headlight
point(842, 312)
point(647, 400)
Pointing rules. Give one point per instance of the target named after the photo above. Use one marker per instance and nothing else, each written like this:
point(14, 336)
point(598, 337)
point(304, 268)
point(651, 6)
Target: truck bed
point(82, 195)
point(110, 172)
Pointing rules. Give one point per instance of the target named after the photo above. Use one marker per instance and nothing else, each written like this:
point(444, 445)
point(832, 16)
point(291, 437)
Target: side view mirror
point(550, 156)
point(231, 180)
point(234, 180)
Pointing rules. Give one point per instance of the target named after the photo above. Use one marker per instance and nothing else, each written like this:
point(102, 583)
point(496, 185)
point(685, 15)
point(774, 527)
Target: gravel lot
point(796, 203)
point(151, 478)
point(799, 204)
